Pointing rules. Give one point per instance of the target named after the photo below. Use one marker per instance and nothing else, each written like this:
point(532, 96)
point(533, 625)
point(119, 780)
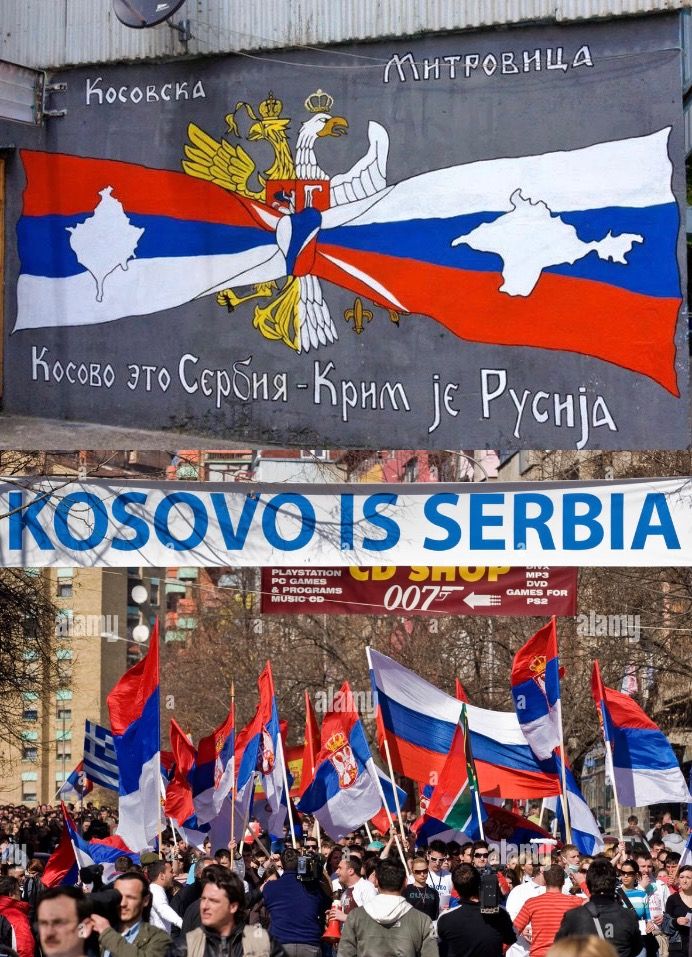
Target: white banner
point(645, 522)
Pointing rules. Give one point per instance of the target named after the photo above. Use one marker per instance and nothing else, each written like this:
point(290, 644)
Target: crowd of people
point(368, 895)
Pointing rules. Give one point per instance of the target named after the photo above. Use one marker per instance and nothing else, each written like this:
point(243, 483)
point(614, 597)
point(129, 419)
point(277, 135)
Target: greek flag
point(100, 762)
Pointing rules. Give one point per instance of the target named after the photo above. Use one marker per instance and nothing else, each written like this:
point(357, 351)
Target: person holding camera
point(472, 930)
point(134, 936)
point(297, 904)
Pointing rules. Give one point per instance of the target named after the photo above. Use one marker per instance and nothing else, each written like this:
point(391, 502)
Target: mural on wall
point(307, 262)
point(497, 251)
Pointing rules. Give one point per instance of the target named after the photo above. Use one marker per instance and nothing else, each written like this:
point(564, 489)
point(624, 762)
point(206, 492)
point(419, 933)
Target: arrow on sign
point(478, 601)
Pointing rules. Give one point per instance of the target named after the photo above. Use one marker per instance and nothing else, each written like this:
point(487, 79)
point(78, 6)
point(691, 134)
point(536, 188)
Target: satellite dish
point(145, 13)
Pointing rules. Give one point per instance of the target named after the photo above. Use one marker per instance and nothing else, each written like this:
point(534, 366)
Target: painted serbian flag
point(572, 250)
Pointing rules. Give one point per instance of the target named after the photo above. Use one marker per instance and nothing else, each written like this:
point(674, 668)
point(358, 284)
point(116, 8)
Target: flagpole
point(234, 769)
point(368, 832)
point(563, 760)
point(378, 784)
point(162, 788)
point(563, 775)
point(471, 767)
point(286, 791)
point(608, 748)
point(308, 728)
point(396, 795)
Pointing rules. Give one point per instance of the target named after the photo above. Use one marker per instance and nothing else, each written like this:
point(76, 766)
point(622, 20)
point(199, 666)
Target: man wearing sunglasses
point(439, 877)
point(420, 894)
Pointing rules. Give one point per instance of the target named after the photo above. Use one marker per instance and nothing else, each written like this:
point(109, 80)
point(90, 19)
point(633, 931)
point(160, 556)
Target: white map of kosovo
point(105, 240)
point(530, 238)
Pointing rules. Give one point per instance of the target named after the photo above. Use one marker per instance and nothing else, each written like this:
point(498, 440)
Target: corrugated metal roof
point(53, 33)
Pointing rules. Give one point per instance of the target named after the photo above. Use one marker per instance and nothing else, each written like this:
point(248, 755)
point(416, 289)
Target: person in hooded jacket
point(387, 925)
point(16, 913)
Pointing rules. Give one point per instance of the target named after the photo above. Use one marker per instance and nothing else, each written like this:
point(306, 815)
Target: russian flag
point(212, 775)
point(133, 705)
point(535, 681)
point(420, 721)
point(645, 768)
point(346, 789)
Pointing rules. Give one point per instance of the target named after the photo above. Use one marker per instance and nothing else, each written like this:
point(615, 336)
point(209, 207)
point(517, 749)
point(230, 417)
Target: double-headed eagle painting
point(297, 313)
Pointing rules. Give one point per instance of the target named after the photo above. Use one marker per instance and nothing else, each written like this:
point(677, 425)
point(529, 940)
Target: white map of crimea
point(105, 240)
point(529, 239)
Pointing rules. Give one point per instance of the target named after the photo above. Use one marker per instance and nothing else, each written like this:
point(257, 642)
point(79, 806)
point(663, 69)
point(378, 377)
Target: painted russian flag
point(419, 721)
point(133, 705)
point(212, 775)
point(645, 767)
point(345, 791)
point(535, 681)
point(573, 250)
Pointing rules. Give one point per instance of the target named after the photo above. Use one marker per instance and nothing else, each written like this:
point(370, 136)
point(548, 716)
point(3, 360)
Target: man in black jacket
point(604, 914)
point(224, 932)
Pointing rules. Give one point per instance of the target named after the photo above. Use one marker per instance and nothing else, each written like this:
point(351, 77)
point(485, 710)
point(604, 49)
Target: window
point(30, 714)
point(64, 713)
point(63, 750)
point(29, 752)
point(64, 586)
point(154, 588)
point(63, 694)
point(28, 797)
point(321, 454)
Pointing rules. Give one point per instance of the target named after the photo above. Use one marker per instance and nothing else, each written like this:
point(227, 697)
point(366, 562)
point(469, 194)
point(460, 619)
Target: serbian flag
point(103, 851)
point(420, 722)
point(583, 826)
point(535, 681)
point(345, 791)
point(77, 785)
point(586, 234)
point(213, 773)
point(74, 852)
point(179, 798)
point(61, 866)
point(133, 705)
point(311, 747)
point(271, 761)
point(645, 768)
point(253, 745)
